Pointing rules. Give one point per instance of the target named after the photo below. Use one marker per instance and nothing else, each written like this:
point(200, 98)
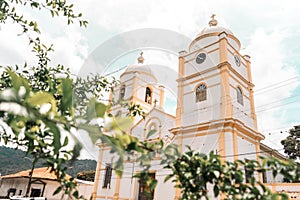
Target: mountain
point(15, 160)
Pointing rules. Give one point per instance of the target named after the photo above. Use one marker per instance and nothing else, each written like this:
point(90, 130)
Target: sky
point(268, 31)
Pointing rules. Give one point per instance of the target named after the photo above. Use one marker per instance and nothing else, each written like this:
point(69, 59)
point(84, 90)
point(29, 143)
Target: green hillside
point(14, 160)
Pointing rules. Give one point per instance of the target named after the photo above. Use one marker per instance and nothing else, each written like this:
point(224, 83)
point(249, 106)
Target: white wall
point(21, 184)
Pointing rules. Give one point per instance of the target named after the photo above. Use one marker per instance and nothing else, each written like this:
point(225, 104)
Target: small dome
point(214, 29)
point(139, 68)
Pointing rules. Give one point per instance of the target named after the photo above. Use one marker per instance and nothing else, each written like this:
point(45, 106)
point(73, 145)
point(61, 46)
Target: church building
point(215, 112)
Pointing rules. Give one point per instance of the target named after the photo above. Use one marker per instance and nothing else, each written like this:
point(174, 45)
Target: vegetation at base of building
point(15, 160)
point(87, 175)
point(37, 106)
point(196, 174)
point(291, 143)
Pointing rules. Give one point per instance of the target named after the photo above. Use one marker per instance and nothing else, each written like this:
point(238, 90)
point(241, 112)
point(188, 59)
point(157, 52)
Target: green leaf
point(119, 167)
point(66, 101)
point(18, 82)
point(66, 141)
point(95, 109)
point(168, 177)
point(94, 131)
point(152, 132)
point(216, 190)
point(58, 190)
point(153, 184)
point(56, 135)
point(40, 98)
point(121, 124)
point(100, 109)
point(76, 194)
point(76, 151)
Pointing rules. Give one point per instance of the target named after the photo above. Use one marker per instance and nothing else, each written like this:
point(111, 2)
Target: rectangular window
point(107, 178)
point(264, 176)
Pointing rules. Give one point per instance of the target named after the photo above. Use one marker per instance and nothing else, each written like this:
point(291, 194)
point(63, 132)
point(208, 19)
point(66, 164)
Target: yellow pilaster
point(98, 171)
point(223, 47)
point(162, 96)
point(226, 106)
point(222, 145)
point(252, 107)
point(177, 194)
point(134, 190)
point(134, 89)
point(235, 145)
point(180, 90)
point(117, 190)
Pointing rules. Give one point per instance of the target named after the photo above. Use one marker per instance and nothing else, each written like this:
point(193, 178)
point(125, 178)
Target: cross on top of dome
point(141, 58)
point(213, 22)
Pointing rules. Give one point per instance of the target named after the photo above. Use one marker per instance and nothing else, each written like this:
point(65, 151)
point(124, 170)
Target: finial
point(213, 22)
point(155, 102)
point(140, 58)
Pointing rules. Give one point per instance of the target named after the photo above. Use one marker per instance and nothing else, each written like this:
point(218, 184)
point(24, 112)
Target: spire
point(213, 22)
point(141, 58)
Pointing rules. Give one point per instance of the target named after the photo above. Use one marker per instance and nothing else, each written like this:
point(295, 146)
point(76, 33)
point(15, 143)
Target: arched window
point(119, 113)
point(201, 93)
point(122, 92)
point(148, 95)
point(152, 127)
point(239, 96)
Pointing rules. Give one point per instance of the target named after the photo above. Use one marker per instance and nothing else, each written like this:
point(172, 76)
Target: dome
point(140, 68)
point(211, 34)
point(214, 29)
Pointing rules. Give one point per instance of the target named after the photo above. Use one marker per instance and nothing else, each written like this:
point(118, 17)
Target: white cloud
point(264, 45)
point(70, 49)
point(13, 48)
point(268, 68)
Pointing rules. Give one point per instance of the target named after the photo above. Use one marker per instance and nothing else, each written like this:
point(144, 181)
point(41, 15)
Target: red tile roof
point(38, 173)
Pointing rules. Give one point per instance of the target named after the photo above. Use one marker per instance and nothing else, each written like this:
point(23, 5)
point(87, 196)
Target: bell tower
point(215, 95)
point(138, 85)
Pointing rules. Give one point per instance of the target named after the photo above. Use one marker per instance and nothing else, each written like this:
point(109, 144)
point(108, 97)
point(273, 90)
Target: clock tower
point(215, 108)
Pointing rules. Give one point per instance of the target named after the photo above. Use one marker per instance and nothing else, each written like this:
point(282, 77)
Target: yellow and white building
point(215, 112)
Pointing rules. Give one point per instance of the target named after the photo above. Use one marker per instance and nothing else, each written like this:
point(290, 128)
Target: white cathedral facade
point(215, 112)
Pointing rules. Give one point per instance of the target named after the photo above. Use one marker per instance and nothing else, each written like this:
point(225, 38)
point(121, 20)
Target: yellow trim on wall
point(162, 96)
point(235, 144)
point(228, 122)
point(204, 78)
point(197, 74)
point(134, 88)
point(97, 174)
point(222, 150)
point(226, 108)
point(117, 190)
point(180, 92)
